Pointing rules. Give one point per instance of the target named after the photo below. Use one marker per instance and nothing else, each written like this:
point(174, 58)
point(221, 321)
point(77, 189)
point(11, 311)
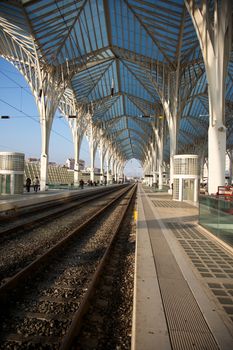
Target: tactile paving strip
point(213, 264)
point(170, 204)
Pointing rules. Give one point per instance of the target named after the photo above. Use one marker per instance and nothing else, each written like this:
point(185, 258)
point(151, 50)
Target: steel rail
point(54, 215)
point(78, 316)
point(46, 202)
point(15, 280)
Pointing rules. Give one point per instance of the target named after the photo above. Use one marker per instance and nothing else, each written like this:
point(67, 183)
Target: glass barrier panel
point(216, 215)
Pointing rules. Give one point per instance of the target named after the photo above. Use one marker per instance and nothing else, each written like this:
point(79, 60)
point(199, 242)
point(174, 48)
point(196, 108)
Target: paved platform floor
point(13, 202)
point(183, 281)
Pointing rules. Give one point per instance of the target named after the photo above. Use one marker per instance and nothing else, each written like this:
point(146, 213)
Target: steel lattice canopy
point(122, 56)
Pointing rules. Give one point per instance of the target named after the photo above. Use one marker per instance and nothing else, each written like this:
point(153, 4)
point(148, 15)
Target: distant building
point(70, 164)
point(33, 160)
point(96, 170)
point(81, 164)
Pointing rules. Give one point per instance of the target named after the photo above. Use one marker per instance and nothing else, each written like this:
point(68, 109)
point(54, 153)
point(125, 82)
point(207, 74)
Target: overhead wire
point(38, 122)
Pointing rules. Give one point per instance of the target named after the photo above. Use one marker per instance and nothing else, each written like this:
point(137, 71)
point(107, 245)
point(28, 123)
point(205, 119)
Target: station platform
point(16, 201)
point(183, 296)
point(10, 203)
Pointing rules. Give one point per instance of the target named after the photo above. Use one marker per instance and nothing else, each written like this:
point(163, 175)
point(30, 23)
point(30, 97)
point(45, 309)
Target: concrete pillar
point(215, 41)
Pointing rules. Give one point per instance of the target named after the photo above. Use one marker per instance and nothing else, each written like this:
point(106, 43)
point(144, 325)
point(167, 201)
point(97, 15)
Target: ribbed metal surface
point(187, 327)
point(186, 324)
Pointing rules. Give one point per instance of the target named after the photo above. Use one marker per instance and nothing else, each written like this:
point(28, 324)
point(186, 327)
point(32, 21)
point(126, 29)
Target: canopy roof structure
point(121, 59)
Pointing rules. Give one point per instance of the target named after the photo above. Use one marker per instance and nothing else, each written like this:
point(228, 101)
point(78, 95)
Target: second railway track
point(22, 246)
point(48, 293)
point(39, 213)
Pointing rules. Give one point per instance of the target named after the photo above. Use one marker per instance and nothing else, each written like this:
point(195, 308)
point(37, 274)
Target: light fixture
point(112, 88)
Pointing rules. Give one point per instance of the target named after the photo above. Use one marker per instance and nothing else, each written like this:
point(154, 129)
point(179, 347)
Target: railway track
point(39, 213)
point(41, 313)
point(104, 320)
point(20, 248)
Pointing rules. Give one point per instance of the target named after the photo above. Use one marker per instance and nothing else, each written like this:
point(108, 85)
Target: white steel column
point(215, 41)
point(47, 107)
point(159, 139)
point(92, 152)
point(172, 121)
point(116, 170)
point(108, 158)
point(147, 169)
point(150, 168)
point(112, 168)
point(77, 139)
point(92, 155)
point(101, 155)
point(154, 161)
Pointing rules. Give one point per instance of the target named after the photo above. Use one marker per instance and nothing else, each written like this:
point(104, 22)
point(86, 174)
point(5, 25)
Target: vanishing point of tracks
point(43, 304)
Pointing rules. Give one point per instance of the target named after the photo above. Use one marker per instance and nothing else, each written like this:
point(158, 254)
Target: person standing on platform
point(36, 184)
point(81, 183)
point(28, 184)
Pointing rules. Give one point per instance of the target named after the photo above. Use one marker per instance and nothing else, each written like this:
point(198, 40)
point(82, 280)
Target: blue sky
point(21, 133)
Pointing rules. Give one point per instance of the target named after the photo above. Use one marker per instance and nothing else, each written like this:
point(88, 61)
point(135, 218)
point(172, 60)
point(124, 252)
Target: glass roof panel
point(122, 56)
point(128, 32)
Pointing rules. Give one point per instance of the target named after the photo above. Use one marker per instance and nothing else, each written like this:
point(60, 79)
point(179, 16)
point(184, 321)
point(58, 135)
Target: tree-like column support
point(215, 41)
point(46, 119)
